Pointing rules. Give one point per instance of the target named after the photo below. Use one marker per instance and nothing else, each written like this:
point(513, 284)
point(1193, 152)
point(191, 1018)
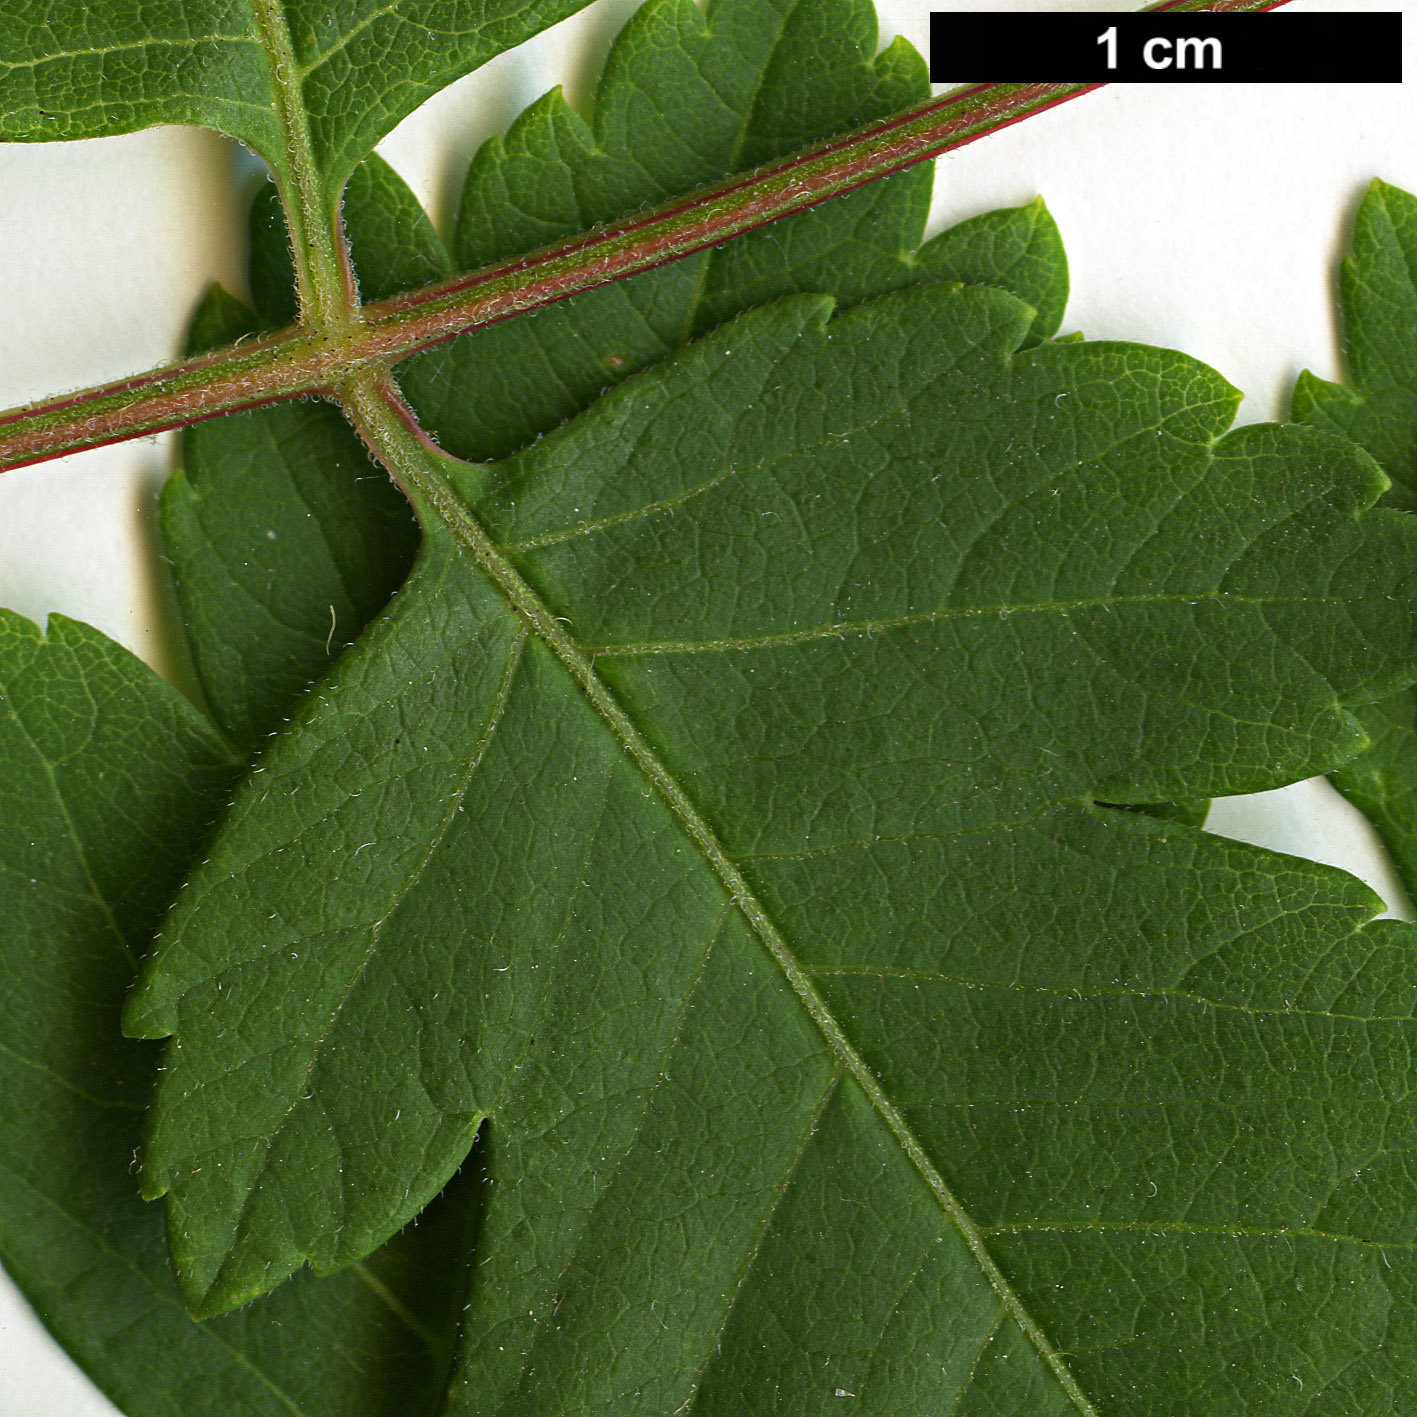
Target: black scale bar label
point(1301, 48)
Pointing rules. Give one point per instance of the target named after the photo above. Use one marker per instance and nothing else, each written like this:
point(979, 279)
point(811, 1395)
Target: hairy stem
point(303, 361)
point(338, 341)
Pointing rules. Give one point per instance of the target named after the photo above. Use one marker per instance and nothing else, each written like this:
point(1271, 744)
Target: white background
point(1205, 217)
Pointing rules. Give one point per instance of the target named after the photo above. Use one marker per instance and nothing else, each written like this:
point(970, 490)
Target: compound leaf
point(713, 819)
point(284, 537)
point(915, 595)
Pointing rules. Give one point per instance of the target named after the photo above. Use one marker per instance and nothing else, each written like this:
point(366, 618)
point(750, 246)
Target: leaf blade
point(135, 775)
point(994, 1376)
point(72, 72)
point(1377, 293)
point(1250, 556)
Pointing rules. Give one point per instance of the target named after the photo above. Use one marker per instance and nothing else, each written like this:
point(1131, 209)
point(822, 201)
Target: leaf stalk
point(339, 341)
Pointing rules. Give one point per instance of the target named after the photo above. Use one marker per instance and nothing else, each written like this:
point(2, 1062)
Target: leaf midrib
point(328, 304)
point(376, 407)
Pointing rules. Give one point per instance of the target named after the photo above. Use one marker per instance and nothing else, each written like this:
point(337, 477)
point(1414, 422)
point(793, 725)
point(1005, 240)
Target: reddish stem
point(300, 362)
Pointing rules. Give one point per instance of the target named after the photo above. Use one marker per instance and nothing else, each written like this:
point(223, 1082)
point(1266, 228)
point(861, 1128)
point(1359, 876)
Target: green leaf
point(1378, 301)
point(687, 97)
point(562, 891)
point(712, 823)
point(73, 70)
point(110, 782)
point(1138, 1114)
point(1018, 249)
point(1382, 781)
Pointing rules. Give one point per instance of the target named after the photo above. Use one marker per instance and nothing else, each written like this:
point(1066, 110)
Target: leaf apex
point(900, 55)
point(1312, 393)
point(144, 1016)
point(1379, 190)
